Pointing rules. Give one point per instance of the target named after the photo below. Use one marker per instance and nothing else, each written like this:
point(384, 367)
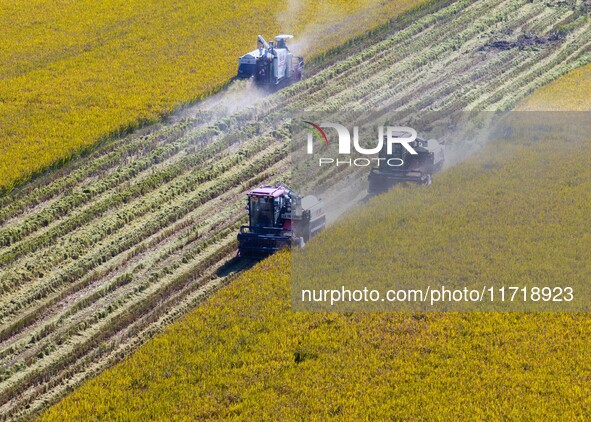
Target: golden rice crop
point(570, 92)
point(73, 74)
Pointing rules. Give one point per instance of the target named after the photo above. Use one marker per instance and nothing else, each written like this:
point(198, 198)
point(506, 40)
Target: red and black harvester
point(278, 218)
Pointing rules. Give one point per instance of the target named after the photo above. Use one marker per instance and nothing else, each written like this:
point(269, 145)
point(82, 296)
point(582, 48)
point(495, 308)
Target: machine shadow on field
point(234, 266)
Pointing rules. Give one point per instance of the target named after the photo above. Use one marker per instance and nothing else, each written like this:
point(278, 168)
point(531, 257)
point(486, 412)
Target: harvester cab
point(278, 218)
point(271, 65)
point(402, 166)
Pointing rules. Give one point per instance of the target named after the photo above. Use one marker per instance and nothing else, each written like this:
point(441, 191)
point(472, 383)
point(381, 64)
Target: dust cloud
point(237, 96)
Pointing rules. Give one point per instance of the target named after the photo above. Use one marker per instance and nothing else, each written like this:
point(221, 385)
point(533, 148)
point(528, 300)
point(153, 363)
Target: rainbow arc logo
point(318, 132)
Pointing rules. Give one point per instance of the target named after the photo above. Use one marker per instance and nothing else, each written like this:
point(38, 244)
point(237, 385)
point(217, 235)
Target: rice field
point(246, 355)
point(75, 75)
point(102, 253)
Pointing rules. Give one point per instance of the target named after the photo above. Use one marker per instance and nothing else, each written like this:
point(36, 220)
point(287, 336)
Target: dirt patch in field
point(522, 42)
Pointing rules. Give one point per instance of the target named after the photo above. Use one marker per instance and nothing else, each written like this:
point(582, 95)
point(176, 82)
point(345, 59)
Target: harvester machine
point(271, 65)
point(403, 166)
point(278, 218)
